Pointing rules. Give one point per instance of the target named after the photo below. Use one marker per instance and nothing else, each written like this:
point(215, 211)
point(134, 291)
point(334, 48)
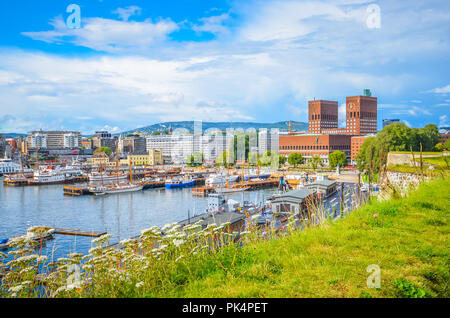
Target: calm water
point(122, 215)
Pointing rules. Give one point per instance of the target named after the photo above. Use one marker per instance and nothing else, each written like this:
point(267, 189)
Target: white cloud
point(441, 90)
point(108, 35)
point(443, 121)
point(125, 13)
point(213, 24)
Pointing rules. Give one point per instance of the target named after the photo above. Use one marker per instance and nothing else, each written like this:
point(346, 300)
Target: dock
point(253, 185)
point(78, 232)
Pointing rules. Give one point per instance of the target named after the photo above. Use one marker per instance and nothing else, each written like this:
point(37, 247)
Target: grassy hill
point(408, 239)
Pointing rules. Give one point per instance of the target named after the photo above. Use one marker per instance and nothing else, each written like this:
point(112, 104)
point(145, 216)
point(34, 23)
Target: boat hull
point(179, 185)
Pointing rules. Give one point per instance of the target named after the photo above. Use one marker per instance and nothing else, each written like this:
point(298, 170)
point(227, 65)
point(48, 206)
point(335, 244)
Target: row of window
point(324, 117)
point(314, 147)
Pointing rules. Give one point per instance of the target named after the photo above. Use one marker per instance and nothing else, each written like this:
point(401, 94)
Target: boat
point(178, 182)
point(231, 190)
point(115, 188)
point(95, 176)
point(220, 179)
point(5, 243)
point(49, 176)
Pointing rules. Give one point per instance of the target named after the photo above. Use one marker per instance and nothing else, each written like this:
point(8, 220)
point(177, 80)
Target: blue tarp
point(3, 241)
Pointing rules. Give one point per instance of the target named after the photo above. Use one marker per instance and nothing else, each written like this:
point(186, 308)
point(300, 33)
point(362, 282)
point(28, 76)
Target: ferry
point(178, 182)
point(49, 176)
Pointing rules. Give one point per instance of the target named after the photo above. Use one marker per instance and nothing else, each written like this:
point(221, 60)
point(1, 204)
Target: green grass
point(418, 152)
point(409, 241)
point(436, 161)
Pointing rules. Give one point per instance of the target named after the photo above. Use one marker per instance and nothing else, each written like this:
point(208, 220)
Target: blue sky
point(135, 63)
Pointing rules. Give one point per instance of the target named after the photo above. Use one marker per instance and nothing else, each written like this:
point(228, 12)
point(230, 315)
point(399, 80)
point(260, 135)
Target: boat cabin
point(323, 186)
point(294, 201)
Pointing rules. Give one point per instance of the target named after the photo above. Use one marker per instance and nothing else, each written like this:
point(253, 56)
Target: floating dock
point(253, 185)
point(78, 232)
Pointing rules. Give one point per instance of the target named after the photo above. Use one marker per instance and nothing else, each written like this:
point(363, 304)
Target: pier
point(78, 232)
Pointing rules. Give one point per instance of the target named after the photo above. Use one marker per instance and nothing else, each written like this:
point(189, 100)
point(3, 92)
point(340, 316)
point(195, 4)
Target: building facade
point(54, 139)
point(322, 114)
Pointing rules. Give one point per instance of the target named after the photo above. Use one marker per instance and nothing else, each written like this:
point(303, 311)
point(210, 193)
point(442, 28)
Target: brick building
point(324, 136)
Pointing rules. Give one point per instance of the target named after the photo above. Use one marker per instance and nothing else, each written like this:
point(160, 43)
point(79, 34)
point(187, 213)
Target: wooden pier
point(78, 232)
point(253, 185)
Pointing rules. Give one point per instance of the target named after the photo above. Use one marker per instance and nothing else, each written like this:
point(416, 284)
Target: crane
point(291, 123)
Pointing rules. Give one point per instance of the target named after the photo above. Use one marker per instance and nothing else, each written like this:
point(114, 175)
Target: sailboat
point(117, 187)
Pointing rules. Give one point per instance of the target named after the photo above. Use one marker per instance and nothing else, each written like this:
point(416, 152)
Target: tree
point(281, 159)
point(439, 147)
point(191, 160)
point(447, 144)
point(266, 158)
point(315, 161)
point(295, 159)
point(337, 157)
point(106, 150)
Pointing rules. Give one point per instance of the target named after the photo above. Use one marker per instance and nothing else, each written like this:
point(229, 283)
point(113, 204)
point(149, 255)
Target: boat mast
point(131, 172)
point(117, 162)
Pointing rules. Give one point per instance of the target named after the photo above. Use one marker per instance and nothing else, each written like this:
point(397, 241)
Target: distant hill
point(12, 135)
point(160, 127)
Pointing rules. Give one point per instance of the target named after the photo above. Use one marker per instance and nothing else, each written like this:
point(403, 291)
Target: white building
point(38, 140)
point(71, 140)
point(268, 140)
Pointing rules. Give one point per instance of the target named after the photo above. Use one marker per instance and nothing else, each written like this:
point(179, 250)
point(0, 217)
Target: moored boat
point(177, 182)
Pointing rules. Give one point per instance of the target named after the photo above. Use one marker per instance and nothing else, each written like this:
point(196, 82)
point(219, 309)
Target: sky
point(133, 63)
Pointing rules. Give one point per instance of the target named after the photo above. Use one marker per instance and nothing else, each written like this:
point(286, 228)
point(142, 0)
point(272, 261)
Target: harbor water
point(123, 215)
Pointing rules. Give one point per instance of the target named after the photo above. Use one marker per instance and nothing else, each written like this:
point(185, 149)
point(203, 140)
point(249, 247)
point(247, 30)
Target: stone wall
point(403, 181)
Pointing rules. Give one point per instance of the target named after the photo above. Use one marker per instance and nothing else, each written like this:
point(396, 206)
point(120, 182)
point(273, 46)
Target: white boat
point(49, 176)
point(220, 179)
point(231, 190)
point(116, 188)
point(95, 176)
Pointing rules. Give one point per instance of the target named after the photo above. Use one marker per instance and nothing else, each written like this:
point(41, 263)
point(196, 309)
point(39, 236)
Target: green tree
point(266, 158)
point(195, 160)
point(439, 147)
point(295, 159)
point(337, 157)
point(447, 144)
point(315, 161)
point(106, 150)
point(281, 159)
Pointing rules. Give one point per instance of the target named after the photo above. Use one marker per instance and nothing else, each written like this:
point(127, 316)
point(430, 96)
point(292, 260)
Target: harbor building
point(324, 136)
point(103, 139)
point(309, 145)
point(268, 140)
point(322, 114)
point(357, 142)
point(54, 139)
point(151, 158)
point(132, 144)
